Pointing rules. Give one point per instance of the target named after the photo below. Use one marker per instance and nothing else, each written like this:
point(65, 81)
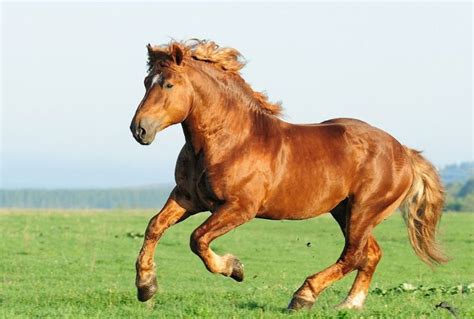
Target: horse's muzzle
point(144, 132)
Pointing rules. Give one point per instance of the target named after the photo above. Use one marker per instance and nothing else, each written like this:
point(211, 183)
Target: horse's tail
point(422, 209)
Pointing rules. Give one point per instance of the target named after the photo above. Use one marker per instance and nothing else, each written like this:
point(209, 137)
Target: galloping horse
point(241, 161)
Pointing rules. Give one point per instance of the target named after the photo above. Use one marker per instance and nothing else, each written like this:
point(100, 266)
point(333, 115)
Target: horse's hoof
point(147, 290)
point(298, 303)
point(237, 270)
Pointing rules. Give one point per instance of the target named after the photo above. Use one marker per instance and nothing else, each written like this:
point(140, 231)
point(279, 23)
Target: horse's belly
point(298, 205)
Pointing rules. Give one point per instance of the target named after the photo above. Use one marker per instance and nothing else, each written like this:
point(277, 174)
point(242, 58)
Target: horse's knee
point(196, 242)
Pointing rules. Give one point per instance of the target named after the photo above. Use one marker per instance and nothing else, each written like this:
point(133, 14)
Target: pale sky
point(72, 77)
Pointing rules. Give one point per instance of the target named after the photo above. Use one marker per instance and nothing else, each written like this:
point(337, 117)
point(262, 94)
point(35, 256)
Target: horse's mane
point(226, 59)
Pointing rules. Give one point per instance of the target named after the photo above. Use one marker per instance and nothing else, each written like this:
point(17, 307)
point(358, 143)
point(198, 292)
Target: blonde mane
point(225, 59)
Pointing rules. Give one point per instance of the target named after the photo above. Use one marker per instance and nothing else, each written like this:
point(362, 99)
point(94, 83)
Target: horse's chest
point(194, 182)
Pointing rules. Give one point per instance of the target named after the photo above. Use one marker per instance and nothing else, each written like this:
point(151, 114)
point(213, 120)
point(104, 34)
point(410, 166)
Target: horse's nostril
point(141, 132)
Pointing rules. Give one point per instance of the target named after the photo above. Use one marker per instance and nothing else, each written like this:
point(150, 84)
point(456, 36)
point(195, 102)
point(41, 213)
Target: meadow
point(75, 264)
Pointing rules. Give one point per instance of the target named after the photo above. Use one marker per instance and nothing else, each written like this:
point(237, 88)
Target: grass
point(76, 264)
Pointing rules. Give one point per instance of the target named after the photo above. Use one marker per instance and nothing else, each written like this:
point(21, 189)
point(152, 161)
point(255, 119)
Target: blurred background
point(72, 77)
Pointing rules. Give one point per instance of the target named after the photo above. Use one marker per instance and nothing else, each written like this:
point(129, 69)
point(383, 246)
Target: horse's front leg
point(226, 218)
point(170, 214)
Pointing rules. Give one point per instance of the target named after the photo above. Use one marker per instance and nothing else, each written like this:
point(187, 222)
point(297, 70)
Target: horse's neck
point(219, 125)
point(210, 126)
point(221, 119)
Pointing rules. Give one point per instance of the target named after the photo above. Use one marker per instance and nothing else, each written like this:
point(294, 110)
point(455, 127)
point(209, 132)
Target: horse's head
point(168, 95)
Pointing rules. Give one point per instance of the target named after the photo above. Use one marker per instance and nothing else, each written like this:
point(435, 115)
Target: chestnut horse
point(241, 161)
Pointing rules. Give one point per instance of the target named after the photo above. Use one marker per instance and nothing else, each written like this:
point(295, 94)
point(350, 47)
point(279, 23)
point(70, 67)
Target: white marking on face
point(156, 79)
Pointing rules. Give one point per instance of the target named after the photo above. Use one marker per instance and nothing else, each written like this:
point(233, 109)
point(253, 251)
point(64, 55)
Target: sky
point(72, 77)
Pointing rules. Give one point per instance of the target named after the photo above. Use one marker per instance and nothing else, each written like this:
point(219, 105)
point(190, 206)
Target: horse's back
point(329, 161)
point(354, 145)
point(350, 133)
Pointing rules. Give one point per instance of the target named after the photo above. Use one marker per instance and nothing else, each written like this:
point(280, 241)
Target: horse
point(241, 161)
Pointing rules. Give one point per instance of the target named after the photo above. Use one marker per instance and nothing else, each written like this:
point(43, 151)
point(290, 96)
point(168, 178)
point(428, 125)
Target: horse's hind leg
point(361, 284)
point(359, 223)
point(360, 287)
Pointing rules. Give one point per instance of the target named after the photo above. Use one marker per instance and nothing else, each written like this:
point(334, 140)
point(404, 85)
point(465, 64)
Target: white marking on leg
point(220, 263)
point(355, 302)
point(358, 300)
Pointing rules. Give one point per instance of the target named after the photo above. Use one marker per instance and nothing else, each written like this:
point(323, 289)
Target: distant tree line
point(458, 181)
point(459, 184)
point(455, 173)
point(92, 198)
point(460, 196)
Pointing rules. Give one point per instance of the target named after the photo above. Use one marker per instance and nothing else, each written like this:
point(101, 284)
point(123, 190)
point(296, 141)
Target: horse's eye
point(169, 85)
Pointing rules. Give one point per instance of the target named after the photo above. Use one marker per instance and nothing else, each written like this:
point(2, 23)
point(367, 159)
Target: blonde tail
point(422, 209)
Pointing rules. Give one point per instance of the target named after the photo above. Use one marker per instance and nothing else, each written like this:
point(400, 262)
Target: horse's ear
point(177, 54)
point(155, 54)
point(149, 49)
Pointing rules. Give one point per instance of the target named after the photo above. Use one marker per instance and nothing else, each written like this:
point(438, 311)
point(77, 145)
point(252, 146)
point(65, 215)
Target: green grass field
point(81, 264)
